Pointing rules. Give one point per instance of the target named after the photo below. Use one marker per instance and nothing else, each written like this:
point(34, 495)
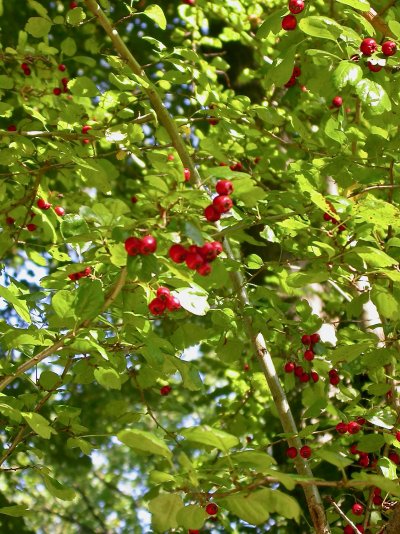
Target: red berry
point(59, 210)
point(361, 420)
point(213, 121)
point(85, 272)
point(394, 457)
point(211, 508)
point(27, 71)
point(377, 499)
point(348, 530)
point(24, 66)
point(204, 270)
point(353, 449)
point(11, 128)
point(298, 371)
point(86, 128)
point(296, 72)
point(193, 531)
point(148, 245)
point(289, 367)
point(334, 380)
point(42, 204)
point(157, 306)
point(360, 528)
point(368, 46)
point(165, 390)
point(364, 460)
point(246, 367)
point(194, 260)
point(291, 82)
point(217, 247)
point(389, 48)
point(306, 340)
point(238, 167)
point(337, 101)
point(73, 5)
point(296, 6)
point(398, 436)
point(62, 68)
point(224, 187)
point(173, 303)
point(289, 22)
point(73, 276)
point(57, 91)
point(163, 293)
point(10, 220)
point(333, 372)
point(305, 451)
point(134, 199)
point(170, 157)
point(314, 338)
point(291, 452)
point(353, 427)
point(64, 81)
point(327, 217)
point(211, 213)
point(342, 428)
point(208, 251)
point(305, 377)
point(314, 376)
point(186, 175)
point(377, 491)
point(357, 509)
point(31, 227)
point(309, 355)
point(373, 67)
point(189, 2)
point(132, 246)
point(177, 253)
point(222, 203)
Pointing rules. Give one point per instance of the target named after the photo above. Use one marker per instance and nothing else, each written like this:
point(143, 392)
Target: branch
point(378, 23)
point(313, 498)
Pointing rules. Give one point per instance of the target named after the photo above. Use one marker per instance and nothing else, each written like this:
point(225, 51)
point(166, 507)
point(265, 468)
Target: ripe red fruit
point(305, 377)
point(11, 128)
point(394, 457)
point(238, 167)
point(24, 66)
point(361, 420)
point(132, 246)
point(222, 203)
point(173, 303)
point(374, 67)
point(353, 449)
point(193, 531)
point(389, 48)
point(157, 306)
point(211, 508)
point(306, 340)
point(314, 376)
point(290, 82)
point(86, 128)
point(342, 428)
point(194, 260)
point(353, 427)
point(289, 22)
point(224, 187)
point(289, 367)
point(42, 204)
point(327, 217)
point(163, 293)
point(208, 251)
point(377, 499)
point(298, 371)
point(305, 451)
point(291, 452)
point(334, 380)
point(246, 367)
point(134, 199)
point(73, 276)
point(165, 390)
point(62, 68)
point(148, 245)
point(31, 227)
point(189, 2)
point(27, 71)
point(357, 509)
point(211, 213)
point(309, 355)
point(64, 81)
point(85, 272)
point(296, 72)
point(217, 247)
point(398, 436)
point(296, 6)
point(57, 91)
point(213, 121)
point(348, 530)
point(315, 338)
point(73, 5)
point(59, 210)
point(364, 460)
point(337, 101)
point(186, 175)
point(177, 253)
point(204, 270)
point(368, 46)
point(377, 491)
point(10, 220)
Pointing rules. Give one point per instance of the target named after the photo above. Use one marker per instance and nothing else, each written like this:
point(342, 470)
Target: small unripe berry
point(289, 367)
point(305, 451)
point(157, 306)
point(211, 213)
point(389, 48)
point(165, 390)
point(148, 245)
point(309, 355)
point(59, 210)
point(337, 101)
point(296, 6)
point(291, 452)
point(306, 340)
point(224, 187)
point(357, 509)
point(289, 22)
point(211, 508)
point(368, 46)
point(177, 253)
point(341, 428)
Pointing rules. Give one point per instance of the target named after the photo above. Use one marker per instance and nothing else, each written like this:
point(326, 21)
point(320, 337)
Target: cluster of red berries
point(164, 301)
point(369, 46)
point(302, 375)
point(350, 530)
point(64, 81)
point(81, 274)
point(353, 427)
point(289, 22)
point(309, 341)
point(196, 258)
point(73, 5)
point(145, 245)
point(44, 205)
point(85, 130)
point(293, 79)
point(334, 377)
point(26, 69)
point(305, 452)
point(221, 203)
point(165, 390)
point(329, 218)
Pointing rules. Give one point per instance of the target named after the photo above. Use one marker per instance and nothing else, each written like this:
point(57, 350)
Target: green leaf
point(388, 468)
point(145, 442)
point(210, 436)
point(58, 490)
point(193, 299)
point(17, 510)
point(76, 16)
point(374, 257)
point(362, 5)
point(68, 46)
point(38, 26)
point(333, 130)
point(83, 86)
point(38, 424)
point(272, 24)
point(348, 353)
point(90, 299)
point(108, 378)
point(371, 443)
point(320, 27)
point(40, 10)
point(347, 73)
point(334, 457)
point(73, 226)
point(394, 26)
point(19, 306)
point(283, 67)
point(386, 303)
point(164, 509)
point(191, 517)
point(373, 96)
point(63, 303)
point(48, 380)
point(156, 14)
point(6, 82)
point(251, 507)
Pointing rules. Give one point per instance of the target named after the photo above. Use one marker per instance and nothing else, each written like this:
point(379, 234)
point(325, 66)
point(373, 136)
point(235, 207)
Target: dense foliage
point(199, 246)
